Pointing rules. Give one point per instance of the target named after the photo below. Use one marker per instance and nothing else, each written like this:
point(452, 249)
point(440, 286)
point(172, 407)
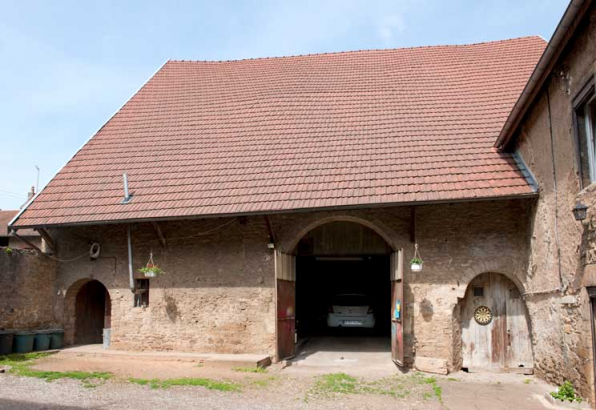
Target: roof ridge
point(361, 51)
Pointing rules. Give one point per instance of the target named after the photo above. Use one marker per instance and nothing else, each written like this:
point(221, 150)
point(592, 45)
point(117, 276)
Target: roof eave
point(528, 195)
point(564, 31)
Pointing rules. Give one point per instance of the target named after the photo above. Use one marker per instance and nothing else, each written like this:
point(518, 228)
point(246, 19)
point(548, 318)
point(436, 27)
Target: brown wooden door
point(495, 332)
point(285, 274)
point(397, 308)
point(91, 304)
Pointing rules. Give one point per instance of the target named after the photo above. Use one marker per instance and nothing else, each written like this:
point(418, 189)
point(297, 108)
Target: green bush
point(566, 392)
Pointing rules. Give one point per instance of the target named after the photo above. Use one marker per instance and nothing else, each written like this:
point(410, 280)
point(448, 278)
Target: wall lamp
point(580, 213)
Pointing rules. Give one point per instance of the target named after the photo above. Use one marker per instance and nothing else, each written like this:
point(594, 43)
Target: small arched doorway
point(495, 329)
point(92, 311)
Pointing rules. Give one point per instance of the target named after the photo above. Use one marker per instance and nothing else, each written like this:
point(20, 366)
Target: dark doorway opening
point(342, 283)
point(321, 282)
point(92, 312)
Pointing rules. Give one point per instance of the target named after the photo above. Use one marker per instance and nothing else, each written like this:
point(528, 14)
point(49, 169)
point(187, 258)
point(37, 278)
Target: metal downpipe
point(130, 270)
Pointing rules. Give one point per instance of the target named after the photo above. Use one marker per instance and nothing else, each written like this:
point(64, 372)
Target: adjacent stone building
point(551, 128)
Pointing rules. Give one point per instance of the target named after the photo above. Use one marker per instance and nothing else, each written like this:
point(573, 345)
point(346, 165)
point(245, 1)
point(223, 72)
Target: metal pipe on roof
point(131, 275)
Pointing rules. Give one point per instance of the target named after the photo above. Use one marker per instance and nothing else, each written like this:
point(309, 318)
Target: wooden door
point(397, 308)
point(495, 332)
point(285, 274)
point(90, 311)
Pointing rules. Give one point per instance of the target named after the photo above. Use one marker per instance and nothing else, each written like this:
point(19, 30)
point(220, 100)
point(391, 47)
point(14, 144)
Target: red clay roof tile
point(277, 134)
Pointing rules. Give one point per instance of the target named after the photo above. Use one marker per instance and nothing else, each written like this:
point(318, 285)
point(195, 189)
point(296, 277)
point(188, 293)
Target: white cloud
point(389, 26)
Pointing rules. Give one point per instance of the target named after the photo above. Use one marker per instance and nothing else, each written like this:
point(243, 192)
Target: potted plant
point(151, 271)
point(416, 264)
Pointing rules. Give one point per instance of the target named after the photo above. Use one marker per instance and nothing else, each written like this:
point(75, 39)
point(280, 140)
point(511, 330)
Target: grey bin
point(56, 338)
point(107, 334)
point(41, 341)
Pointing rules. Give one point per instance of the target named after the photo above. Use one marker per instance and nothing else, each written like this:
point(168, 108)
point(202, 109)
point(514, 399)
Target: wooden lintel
point(413, 224)
point(162, 239)
point(48, 239)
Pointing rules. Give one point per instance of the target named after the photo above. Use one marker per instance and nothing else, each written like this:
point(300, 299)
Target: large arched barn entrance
point(342, 289)
point(89, 312)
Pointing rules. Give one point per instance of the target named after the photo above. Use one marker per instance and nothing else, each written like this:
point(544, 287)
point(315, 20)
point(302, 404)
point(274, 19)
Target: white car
point(351, 310)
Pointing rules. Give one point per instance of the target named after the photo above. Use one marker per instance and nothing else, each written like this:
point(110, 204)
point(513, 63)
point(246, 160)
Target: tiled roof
point(5, 218)
point(345, 129)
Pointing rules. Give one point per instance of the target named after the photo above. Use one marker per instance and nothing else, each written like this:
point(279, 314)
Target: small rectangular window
point(142, 292)
point(585, 121)
point(478, 291)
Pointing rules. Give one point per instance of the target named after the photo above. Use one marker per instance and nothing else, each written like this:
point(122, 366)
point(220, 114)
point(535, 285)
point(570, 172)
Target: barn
point(270, 191)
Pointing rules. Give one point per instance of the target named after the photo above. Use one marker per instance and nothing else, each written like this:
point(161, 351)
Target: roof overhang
point(529, 195)
point(564, 31)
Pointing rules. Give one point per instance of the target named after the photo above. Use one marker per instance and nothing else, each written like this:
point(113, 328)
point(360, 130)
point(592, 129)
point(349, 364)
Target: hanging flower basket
point(416, 265)
point(151, 270)
point(416, 262)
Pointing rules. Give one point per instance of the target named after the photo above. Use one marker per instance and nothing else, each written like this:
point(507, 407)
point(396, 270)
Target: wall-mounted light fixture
point(580, 213)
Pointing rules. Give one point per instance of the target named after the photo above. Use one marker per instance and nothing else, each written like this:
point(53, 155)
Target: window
point(142, 293)
point(585, 121)
point(478, 291)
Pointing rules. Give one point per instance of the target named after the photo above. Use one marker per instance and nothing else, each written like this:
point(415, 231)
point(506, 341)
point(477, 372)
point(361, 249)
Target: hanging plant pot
point(151, 270)
point(416, 265)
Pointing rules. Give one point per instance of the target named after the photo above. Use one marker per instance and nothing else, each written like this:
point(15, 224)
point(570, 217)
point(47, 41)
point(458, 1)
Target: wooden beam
point(413, 224)
point(26, 241)
point(162, 239)
point(48, 239)
point(270, 230)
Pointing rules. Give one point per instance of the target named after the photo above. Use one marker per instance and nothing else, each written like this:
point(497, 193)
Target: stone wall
point(457, 242)
point(27, 292)
point(217, 294)
point(558, 302)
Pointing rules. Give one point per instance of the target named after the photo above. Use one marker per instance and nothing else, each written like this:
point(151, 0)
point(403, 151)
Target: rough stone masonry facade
point(218, 294)
point(558, 271)
point(27, 298)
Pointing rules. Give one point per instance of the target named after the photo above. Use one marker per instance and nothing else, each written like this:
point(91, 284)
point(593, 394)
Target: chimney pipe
point(127, 196)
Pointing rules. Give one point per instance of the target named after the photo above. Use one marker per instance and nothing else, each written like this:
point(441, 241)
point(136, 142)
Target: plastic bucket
point(23, 342)
point(41, 341)
point(56, 338)
point(107, 334)
point(6, 341)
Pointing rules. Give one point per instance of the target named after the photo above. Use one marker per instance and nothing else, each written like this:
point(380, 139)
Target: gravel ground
point(290, 388)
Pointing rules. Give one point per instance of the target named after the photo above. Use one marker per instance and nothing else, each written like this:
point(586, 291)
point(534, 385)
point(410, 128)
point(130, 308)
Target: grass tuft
point(20, 365)
point(187, 381)
point(250, 369)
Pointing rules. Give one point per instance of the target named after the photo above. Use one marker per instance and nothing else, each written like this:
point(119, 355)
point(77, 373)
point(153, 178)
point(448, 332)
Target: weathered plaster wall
point(217, 294)
point(561, 327)
point(27, 291)
point(457, 243)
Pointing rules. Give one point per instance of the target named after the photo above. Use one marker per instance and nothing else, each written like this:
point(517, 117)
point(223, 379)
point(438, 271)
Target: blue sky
point(67, 66)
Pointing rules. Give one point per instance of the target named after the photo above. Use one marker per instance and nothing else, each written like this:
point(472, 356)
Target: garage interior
point(334, 259)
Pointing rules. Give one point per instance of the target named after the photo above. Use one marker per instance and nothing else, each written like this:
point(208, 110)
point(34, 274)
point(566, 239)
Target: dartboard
point(483, 315)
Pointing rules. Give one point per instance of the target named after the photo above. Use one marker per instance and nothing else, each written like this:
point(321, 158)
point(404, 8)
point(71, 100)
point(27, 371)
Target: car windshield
point(350, 300)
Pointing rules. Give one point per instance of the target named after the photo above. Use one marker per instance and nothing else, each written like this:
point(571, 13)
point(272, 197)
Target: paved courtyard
point(85, 382)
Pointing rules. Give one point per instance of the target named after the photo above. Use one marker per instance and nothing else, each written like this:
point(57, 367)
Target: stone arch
point(289, 243)
point(70, 298)
point(492, 266)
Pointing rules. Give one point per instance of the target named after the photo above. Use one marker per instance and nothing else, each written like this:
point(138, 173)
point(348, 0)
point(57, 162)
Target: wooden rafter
point(48, 239)
point(162, 239)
